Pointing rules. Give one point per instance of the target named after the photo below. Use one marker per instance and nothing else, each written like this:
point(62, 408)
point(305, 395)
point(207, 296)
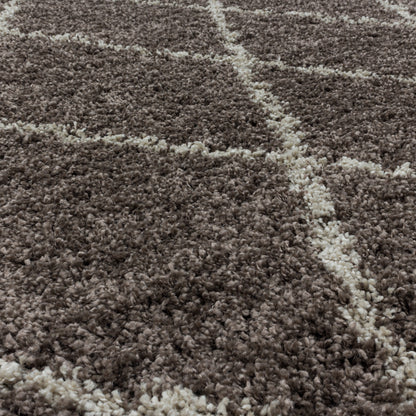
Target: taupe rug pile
point(208, 207)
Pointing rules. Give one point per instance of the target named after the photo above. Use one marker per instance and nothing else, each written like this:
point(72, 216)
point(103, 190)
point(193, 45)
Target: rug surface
point(208, 207)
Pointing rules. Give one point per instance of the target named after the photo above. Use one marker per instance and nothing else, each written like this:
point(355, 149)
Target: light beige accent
point(334, 248)
point(94, 402)
point(400, 9)
point(402, 171)
point(90, 40)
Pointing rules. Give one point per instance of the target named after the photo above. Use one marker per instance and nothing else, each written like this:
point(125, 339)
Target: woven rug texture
point(207, 208)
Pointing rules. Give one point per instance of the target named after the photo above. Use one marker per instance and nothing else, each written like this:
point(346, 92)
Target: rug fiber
point(207, 207)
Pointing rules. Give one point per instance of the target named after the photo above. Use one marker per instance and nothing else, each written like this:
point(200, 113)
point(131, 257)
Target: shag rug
point(208, 207)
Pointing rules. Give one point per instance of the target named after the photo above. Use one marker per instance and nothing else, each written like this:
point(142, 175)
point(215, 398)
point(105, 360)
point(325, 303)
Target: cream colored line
point(176, 4)
point(325, 18)
point(173, 4)
point(327, 71)
point(9, 10)
point(90, 399)
point(363, 20)
point(319, 70)
point(400, 9)
point(71, 134)
point(334, 247)
point(256, 12)
point(83, 39)
point(402, 171)
point(317, 197)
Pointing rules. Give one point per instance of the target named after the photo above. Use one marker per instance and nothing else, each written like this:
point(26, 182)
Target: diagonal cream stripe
point(83, 39)
point(80, 38)
point(94, 402)
point(71, 134)
point(12, 7)
point(334, 243)
point(89, 40)
point(325, 18)
point(364, 20)
point(173, 4)
point(179, 5)
point(334, 248)
point(97, 403)
point(9, 9)
point(333, 257)
point(400, 9)
point(292, 152)
point(327, 71)
point(403, 171)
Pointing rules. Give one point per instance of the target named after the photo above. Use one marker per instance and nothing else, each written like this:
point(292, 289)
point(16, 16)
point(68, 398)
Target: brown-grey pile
point(208, 207)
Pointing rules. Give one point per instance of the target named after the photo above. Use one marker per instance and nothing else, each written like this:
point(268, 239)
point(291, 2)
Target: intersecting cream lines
point(71, 134)
point(68, 133)
point(172, 4)
point(337, 251)
point(364, 20)
point(400, 9)
point(215, 58)
point(402, 171)
point(92, 401)
point(99, 403)
point(334, 248)
point(326, 71)
point(179, 5)
point(9, 9)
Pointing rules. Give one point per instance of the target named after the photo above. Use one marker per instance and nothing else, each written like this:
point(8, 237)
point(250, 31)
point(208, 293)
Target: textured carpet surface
point(208, 207)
